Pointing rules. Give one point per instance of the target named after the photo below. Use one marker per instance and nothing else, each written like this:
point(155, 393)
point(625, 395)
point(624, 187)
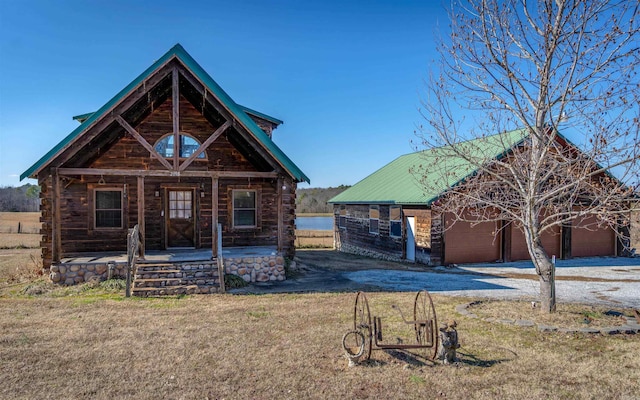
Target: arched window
point(187, 146)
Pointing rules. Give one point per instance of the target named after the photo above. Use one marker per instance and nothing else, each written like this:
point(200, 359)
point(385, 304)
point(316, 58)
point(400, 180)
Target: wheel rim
point(424, 310)
point(362, 322)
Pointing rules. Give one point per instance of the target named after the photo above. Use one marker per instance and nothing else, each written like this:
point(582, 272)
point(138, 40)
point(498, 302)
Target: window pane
point(108, 199)
point(374, 212)
point(394, 213)
point(244, 199)
point(395, 229)
point(108, 218)
point(343, 221)
point(164, 147)
point(244, 218)
point(188, 146)
point(373, 226)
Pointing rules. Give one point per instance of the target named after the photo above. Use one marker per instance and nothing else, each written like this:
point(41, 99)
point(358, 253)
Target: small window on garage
point(108, 209)
point(374, 219)
point(395, 221)
point(342, 218)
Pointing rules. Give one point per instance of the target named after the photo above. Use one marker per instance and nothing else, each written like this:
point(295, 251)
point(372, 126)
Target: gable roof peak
point(176, 52)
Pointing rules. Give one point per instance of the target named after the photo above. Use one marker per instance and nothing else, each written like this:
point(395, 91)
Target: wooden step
point(160, 271)
point(157, 279)
point(165, 290)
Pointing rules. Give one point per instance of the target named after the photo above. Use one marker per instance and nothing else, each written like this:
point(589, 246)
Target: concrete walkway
point(599, 280)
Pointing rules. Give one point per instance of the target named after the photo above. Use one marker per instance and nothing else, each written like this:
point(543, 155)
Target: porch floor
point(170, 255)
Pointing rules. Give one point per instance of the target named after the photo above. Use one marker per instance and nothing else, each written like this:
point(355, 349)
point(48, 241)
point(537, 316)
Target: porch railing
point(133, 246)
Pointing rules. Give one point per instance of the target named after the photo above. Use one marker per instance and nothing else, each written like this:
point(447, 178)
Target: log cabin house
point(174, 154)
point(390, 215)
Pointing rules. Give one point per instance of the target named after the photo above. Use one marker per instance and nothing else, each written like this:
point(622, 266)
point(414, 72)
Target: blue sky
point(345, 76)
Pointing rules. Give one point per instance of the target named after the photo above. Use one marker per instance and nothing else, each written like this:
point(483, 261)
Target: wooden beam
point(161, 173)
point(141, 214)
point(214, 217)
point(143, 142)
point(56, 232)
point(109, 116)
point(280, 213)
point(242, 130)
point(175, 91)
point(200, 87)
point(204, 145)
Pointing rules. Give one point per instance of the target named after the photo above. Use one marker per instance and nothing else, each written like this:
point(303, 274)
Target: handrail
point(219, 258)
point(133, 246)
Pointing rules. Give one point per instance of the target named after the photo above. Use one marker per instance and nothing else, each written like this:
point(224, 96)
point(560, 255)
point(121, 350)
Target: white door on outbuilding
point(411, 239)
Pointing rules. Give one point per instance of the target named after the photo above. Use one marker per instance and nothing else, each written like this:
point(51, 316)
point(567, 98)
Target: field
point(89, 341)
point(310, 239)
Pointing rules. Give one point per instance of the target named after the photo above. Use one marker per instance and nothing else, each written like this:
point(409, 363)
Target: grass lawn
point(75, 343)
point(88, 341)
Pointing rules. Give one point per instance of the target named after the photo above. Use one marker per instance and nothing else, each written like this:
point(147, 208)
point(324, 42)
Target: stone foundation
point(256, 269)
point(360, 251)
point(74, 273)
point(422, 256)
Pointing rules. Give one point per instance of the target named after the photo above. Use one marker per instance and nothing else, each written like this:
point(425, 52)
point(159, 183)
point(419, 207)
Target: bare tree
point(533, 69)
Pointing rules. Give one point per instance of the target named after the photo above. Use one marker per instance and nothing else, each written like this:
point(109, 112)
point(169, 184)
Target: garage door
point(551, 240)
point(467, 243)
point(590, 240)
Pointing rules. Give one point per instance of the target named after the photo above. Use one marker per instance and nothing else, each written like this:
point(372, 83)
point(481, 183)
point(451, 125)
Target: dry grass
point(29, 222)
point(283, 346)
point(19, 241)
point(313, 239)
point(19, 265)
point(88, 341)
point(566, 316)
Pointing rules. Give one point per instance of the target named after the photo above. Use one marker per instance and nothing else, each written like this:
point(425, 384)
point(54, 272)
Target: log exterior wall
point(77, 231)
point(356, 238)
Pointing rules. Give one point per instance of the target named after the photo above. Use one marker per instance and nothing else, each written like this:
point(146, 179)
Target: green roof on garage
point(422, 177)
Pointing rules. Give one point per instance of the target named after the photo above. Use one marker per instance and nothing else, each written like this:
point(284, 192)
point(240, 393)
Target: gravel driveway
point(601, 280)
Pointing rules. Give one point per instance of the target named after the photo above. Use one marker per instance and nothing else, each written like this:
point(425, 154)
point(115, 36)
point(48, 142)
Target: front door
point(180, 218)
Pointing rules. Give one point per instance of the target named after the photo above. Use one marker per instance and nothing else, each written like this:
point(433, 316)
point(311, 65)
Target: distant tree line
point(24, 198)
point(314, 200)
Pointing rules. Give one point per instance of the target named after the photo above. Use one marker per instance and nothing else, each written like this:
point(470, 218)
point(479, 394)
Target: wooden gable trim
point(204, 145)
point(175, 92)
point(109, 116)
point(143, 142)
point(228, 115)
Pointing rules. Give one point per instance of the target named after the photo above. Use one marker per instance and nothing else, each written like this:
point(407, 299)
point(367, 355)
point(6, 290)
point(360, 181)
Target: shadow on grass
point(472, 360)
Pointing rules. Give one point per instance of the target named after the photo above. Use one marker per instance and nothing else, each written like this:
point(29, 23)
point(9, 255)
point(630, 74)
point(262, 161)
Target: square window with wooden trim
point(108, 208)
point(342, 218)
point(374, 219)
point(244, 209)
point(395, 221)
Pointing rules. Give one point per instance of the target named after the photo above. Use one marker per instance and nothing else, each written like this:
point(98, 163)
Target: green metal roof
point(399, 181)
point(82, 117)
point(261, 115)
point(181, 54)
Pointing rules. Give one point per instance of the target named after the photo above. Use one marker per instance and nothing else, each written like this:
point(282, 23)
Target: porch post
point(280, 213)
point(56, 242)
point(141, 214)
point(214, 216)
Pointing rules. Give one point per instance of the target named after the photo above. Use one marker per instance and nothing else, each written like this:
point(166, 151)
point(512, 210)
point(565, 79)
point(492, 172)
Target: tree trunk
point(545, 270)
